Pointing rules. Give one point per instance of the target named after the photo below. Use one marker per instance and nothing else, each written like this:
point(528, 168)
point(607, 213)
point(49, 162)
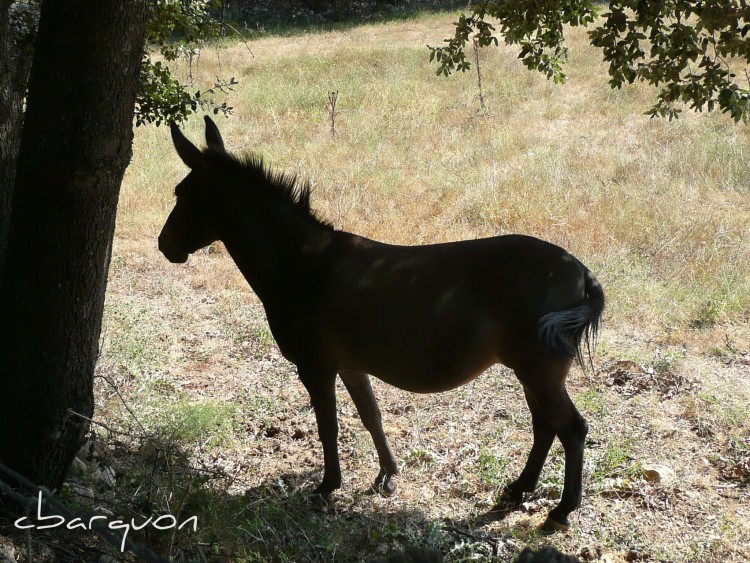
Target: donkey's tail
point(564, 332)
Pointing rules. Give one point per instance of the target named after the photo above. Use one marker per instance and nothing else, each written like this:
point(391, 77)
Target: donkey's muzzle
point(171, 252)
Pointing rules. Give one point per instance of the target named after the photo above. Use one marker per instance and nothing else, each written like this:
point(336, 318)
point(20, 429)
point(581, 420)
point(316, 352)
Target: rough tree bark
point(75, 146)
point(15, 63)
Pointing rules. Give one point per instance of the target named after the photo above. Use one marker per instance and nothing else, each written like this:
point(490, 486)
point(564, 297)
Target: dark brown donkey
point(422, 318)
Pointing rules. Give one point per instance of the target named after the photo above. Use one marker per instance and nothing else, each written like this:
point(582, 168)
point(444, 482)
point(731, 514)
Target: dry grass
point(658, 210)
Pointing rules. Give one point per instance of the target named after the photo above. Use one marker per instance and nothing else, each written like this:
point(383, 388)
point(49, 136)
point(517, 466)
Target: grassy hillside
point(216, 423)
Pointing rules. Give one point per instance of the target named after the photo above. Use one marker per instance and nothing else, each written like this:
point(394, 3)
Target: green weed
point(613, 461)
point(592, 402)
point(208, 423)
point(133, 340)
point(493, 469)
point(419, 458)
point(666, 361)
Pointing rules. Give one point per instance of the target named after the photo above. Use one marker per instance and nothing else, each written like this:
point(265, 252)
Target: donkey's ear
point(213, 137)
point(189, 153)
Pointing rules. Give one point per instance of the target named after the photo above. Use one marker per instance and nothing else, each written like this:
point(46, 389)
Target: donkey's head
point(188, 227)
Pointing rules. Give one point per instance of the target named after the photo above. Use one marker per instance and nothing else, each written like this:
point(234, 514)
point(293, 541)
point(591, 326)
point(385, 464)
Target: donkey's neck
point(273, 251)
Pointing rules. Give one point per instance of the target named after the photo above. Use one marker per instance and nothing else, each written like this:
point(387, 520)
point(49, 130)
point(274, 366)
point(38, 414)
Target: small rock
point(104, 511)
point(78, 468)
point(105, 476)
point(85, 452)
point(657, 474)
point(83, 490)
point(7, 554)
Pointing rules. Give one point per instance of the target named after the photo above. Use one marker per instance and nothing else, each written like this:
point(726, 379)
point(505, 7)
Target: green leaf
point(677, 34)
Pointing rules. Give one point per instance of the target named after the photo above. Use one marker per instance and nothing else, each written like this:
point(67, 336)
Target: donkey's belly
point(431, 373)
point(431, 382)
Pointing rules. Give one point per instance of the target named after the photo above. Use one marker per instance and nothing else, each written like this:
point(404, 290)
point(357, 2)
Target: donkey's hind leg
point(547, 392)
point(360, 390)
point(544, 435)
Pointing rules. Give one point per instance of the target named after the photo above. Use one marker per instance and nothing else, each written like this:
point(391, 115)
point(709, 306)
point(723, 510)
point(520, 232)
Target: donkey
point(423, 318)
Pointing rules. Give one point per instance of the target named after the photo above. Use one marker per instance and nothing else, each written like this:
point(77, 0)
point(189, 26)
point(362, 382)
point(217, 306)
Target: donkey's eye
point(186, 188)
point(183, 194)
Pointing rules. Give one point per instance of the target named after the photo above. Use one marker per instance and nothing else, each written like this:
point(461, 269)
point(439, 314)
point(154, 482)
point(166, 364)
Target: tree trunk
point(75, 146)
point(15, 62)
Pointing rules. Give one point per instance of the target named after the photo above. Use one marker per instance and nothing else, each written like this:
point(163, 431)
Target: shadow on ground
point(131, 479)
point(290, 17)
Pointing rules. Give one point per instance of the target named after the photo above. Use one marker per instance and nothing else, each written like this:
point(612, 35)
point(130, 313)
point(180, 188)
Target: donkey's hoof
point(551, 526)
point(384, 485)
point(507, 502)
point(325, 489)
point(320, 502)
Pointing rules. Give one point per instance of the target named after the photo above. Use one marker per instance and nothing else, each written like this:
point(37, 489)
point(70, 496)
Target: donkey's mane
point(286, 189)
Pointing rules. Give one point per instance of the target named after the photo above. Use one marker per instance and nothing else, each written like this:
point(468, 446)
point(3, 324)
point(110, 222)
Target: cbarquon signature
point(163, 522)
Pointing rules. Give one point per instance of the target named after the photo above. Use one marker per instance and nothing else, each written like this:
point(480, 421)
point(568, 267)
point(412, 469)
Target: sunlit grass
point(658, 210)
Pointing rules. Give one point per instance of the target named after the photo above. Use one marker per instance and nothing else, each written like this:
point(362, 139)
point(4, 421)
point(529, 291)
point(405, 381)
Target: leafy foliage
point(177, 28)
point(691, 49)
point(24, 21)
point(190, 20)
point(162, 98)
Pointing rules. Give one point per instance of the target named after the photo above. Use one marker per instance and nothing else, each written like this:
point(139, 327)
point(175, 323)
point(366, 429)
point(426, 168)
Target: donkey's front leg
point(321, 385)
point(360, 390)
